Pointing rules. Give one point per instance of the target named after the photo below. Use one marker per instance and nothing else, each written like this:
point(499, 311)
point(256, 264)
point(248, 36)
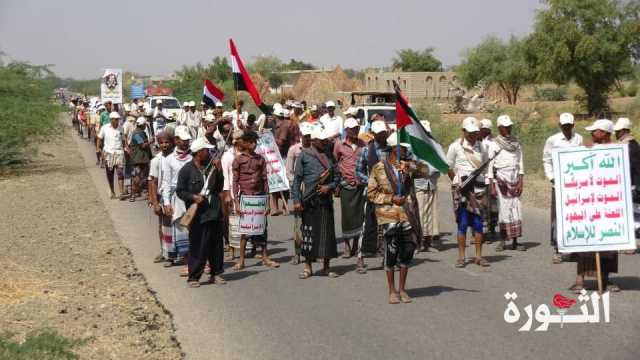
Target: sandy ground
point(64, 267)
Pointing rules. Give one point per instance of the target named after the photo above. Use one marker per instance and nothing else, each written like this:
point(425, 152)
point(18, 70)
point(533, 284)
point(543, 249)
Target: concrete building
point(416, 85)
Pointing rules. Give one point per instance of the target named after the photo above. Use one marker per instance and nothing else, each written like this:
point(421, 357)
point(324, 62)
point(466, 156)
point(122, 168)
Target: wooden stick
point(599, 272)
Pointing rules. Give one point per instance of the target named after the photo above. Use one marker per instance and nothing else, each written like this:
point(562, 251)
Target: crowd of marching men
point(206, 156)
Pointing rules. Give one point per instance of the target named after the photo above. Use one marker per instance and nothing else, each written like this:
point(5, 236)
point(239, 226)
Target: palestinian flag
point(410, 131)
point(211, 94)
point(242, 80)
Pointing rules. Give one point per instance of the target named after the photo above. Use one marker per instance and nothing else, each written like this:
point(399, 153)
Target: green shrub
point(550, 94)
point(42, 345)
point(632, 89)
point(27, 114)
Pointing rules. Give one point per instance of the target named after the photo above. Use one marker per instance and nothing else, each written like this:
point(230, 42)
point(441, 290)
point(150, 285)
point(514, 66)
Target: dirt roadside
point(64, 267)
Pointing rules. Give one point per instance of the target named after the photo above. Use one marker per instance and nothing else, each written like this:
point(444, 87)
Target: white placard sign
point(276, 171)
point(594, 209)
point(111, 86)
point(253, 218)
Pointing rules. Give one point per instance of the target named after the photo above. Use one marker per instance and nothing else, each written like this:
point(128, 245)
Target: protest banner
point(276, 172)
point(594, 209)
point(253, 214)
point(111, 86)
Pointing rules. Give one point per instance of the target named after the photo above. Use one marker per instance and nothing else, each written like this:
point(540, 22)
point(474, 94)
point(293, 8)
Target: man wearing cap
point(375, 151)
point(319, 175)
point(465, 156)
point(160, 112)
point(173, 206)
point(292, 157)
point(313, 116)
point(601, 131)
point(622, 130)
point(332, 123)
point(506, 173)
point(104, 116)
point(184, 113)
point(427, 195)
point(565, 138)
point(193, 119)
point(165, 143)
point(111, 141)
point(486, 138)
point(200, 182)
point(346, 152)
point(286, 133)
point(139, 156)
point(226, 161)
point(390, 188)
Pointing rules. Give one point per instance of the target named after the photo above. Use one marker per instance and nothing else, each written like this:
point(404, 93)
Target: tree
point(270, 68)
point(586, 41)
point(496, 62)
point(294, 65)
point(412, 60)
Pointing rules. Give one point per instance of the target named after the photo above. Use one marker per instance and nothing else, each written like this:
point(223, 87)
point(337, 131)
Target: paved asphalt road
point(456, 313)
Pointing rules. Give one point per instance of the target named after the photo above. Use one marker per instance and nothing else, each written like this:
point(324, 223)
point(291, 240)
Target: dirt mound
point(319, 87)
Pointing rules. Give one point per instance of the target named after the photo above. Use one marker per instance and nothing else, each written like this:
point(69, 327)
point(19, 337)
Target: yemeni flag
point(410, 131)
point(242, 80)
point(211, 94)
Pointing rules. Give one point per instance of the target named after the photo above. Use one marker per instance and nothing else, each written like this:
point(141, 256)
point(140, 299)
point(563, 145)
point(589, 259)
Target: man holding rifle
point(200, 182)
point(467, 160)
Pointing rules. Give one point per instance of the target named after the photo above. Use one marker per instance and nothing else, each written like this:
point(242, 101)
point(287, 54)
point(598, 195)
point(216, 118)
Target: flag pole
point(399, 187)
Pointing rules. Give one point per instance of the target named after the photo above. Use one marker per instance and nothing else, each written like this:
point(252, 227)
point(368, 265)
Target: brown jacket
point(249, 174)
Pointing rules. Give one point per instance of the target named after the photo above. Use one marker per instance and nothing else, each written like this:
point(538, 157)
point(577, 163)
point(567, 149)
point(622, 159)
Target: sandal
point(576, 288)
point(346, 255)
point(500, 246)
point(405, 297)
point(394, 298)
point(132, 199)
point(481, 262)
point(168, 264)
point(557, 259)
point(460, 263)
point(270, 263)
point(295, 260)
point(184, 272)
point(238, 267)
point(613, 288)
point(158, 259)
point(194, 284)
point(218, 280)
point(329, 274)
point(305, 274)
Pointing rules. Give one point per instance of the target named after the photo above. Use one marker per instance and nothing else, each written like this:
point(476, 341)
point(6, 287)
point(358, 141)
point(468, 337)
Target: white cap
point(148, 112)
point(319, 133)
point(141, 121)
point(101, 107)
point(330, 104)
point(209, 117)
point(306, 128)
point(127, 107)
point(159, 101)
point(296, 105)
point(351, 111)
point(199, 144)
point(208, 112)
point(486, 124)
point(470, 124)
point(278, 111)
point(114, 115)
point(219, 104)
point(277, 106)
point(392, 141)
point(184, 104)
point(504, 120)
point(314, 108)
point(566, 118)
point(226, 114)
point(602, 124)
point(351, 123)
point(426, 124)
point(192, 103)
point(622, 123)
point(182, 132)
point(378, 126)
point(286, 113)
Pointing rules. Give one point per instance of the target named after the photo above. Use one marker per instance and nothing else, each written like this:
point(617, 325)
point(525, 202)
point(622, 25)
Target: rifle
point(188, 216)
point(467, 183)
point(323, 177)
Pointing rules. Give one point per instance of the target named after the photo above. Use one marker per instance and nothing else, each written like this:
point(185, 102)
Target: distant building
point(416, 85)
